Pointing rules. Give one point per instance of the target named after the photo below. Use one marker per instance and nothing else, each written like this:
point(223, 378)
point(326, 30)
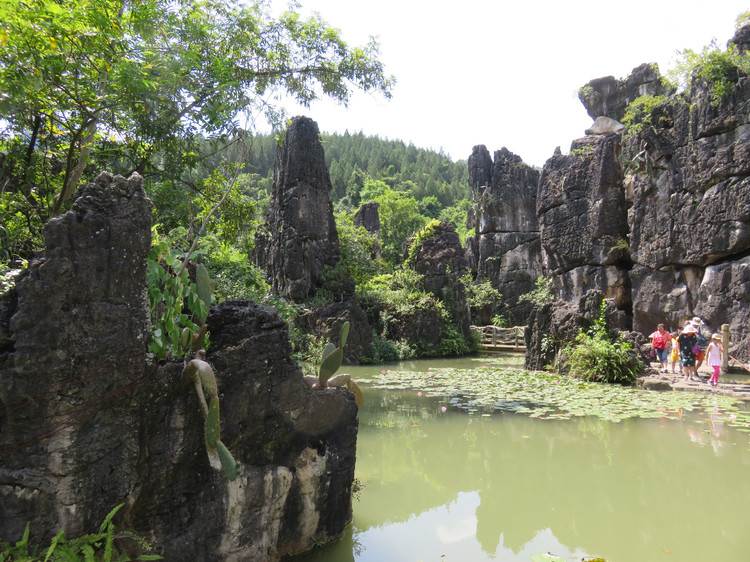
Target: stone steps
point(654, 380)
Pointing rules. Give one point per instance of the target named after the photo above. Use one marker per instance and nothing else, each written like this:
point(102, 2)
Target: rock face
point(303, 237)
point(609, 97)
point(441, 261)
point(656, 217)
point(505, 248)
point(79, 330)
point(686, 179)
point(368, 217)
point(87, 424)
point(583, 220)
point(326, 322)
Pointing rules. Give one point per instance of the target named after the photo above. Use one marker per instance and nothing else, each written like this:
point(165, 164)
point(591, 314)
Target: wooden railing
point(493, 337)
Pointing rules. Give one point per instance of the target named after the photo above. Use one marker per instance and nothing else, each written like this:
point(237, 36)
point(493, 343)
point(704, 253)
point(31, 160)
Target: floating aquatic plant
point(551, 396)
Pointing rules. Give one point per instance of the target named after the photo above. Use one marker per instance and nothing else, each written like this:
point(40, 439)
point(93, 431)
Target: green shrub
point(383, 350)
point(720, 69)
point(599, 357)
point(453, 343)
point(543, 294)
point(106, 545)
point(641, 113)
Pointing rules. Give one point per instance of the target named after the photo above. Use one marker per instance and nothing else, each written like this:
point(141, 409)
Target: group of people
point(688, 348)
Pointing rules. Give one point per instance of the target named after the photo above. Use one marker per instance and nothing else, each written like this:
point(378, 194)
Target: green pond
point(477, 460)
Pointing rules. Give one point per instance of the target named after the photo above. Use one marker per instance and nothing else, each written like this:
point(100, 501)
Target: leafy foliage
point(542, 294)
point(598, 357)
point(103, 545)
point(141, 84)
point(420, 173)
point(421, 237)
point(721, 70)
point(174, 300)
point(358, 249)
point(481, 293)
point(643, 112)
point(399, 220)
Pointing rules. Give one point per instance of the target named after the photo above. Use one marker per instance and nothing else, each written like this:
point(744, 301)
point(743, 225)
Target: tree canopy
point(140, 82)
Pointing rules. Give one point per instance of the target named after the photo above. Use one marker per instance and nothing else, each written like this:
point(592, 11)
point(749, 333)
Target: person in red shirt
point(661, 341)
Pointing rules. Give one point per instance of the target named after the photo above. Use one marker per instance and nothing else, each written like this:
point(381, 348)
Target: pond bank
point(654, 380)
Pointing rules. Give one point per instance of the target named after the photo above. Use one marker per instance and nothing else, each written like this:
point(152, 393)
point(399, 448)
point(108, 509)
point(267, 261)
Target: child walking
point(714, 354)
point(674, 354)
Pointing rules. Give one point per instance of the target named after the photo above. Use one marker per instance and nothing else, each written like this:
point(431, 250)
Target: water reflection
point(506, 487)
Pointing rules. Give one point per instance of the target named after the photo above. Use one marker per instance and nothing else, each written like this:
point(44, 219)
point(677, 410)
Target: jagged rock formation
point(302, 238)
point(86, 423)
point(689, 216)
point(656, 217)
point(609, 97)
point(368, 217)
point(78, 332)
point(441, 261)
point(505, 248)
point(326, 322)
point(583, 220)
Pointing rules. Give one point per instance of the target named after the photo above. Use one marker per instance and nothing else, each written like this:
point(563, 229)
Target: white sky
point(505, 72)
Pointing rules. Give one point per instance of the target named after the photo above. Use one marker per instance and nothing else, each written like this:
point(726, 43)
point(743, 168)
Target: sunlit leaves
point(155, 74)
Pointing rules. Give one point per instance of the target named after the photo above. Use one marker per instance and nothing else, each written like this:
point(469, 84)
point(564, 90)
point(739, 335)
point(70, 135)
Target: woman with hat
point(714, 356)
point(702, 334)
point(687, 341)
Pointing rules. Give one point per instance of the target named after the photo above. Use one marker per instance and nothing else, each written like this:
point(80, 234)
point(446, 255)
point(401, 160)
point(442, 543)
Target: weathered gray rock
point(441, 261)
point(605, 125)
point(87, 424)
point(326, 322)
point(79, 330)
point(368, 217)
point(480, 169)
point(722, 298)
point(303, 237)
point(581, 205)
point(610, 97)
point(689, 220)
point(505, 248)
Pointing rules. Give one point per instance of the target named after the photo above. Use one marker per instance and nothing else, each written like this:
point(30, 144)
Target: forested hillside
point(412, 185)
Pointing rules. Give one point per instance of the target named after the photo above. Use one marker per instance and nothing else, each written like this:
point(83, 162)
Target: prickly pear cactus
point(332, 356)
point(203, 284)
point(204, 379)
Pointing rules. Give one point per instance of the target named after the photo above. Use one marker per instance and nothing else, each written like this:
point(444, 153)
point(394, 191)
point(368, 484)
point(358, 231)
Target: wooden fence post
point(725, 342)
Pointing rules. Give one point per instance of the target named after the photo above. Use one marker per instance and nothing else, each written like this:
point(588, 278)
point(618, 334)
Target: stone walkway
point(654, 380)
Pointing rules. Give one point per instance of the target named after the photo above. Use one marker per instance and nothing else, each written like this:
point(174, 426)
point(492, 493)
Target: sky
point(504, 73)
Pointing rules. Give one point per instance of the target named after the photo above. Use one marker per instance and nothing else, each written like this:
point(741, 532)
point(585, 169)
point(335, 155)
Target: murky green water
point(504, 486)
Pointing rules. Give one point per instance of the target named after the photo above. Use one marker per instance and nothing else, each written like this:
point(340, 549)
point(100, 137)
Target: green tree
point(144, 78)
point(399, 220)
point(358, 248)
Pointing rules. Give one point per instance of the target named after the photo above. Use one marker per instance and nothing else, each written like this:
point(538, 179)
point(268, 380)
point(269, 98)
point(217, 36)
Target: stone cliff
point(656, 216)
point(505, 248)
point(302, 241)
point(86, 423)
point(300, 250)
